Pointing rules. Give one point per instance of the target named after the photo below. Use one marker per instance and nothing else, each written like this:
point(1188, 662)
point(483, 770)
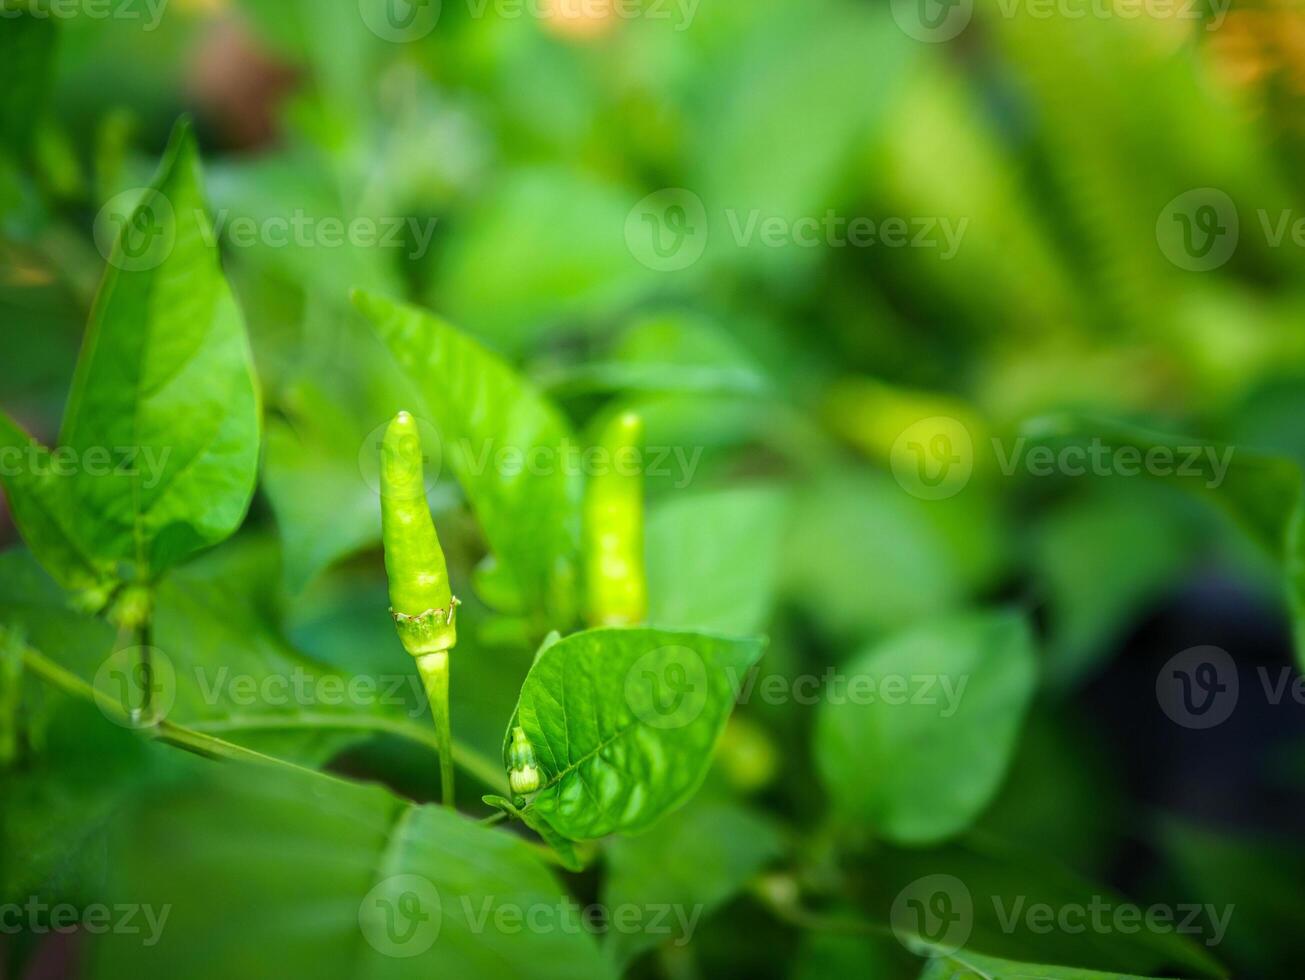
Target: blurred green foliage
point(503, 187)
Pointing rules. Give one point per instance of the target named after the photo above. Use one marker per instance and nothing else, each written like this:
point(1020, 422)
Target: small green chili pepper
point(421, 602)
point(523, 775)
point(613, 523)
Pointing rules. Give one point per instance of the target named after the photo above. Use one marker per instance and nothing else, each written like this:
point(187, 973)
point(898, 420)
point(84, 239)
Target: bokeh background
point(1073, 210)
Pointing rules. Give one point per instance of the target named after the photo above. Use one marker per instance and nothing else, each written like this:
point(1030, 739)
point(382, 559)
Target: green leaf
point(1004, 894)
point(694, 862)
point(1258, 876)
point(859, 535)
point(1103, 558)
point(566, 850)
point(43, 511)
point(503, 278)
point(1261, 493)
point(623, 723)
point(920, 739)
point(728, 587)
point(27, 49)
point(291, 874)
point(164, 387)
point(972, 966)
point(509, 448)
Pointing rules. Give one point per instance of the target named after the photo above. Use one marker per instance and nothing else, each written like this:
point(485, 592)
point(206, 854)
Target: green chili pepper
point(421, 602)
point(523, 775)
point(613, 523)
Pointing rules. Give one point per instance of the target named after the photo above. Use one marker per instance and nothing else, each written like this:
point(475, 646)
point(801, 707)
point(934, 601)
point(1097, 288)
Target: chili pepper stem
point(434, 670)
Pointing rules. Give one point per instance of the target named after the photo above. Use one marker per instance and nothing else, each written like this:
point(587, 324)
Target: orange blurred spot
point(578, 20)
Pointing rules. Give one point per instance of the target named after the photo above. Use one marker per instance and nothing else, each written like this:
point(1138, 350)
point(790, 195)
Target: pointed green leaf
point(921, 735)
point(297, 875)
point(965, 965)
point(40, 499)
point(163, 417)
point(509, 448)
point(623, 723)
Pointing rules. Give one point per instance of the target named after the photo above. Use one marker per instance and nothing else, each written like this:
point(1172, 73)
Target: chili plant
point(647, 491)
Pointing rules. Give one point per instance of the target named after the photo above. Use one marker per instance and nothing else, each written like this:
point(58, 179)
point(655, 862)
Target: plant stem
point(434, 669)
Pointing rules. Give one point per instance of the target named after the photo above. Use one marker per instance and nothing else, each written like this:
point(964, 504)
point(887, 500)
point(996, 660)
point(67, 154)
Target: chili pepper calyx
point(430, 631)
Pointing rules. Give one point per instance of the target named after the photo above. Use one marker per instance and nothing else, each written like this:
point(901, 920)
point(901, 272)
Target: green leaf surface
point(566, 850)
point(865, 558)
point(502, 277)
point(282, 874)
point(1011, 903)
point(713, 559)
point(509, 448)
point(166, 378)
point(693, 863)
point(623, 723)
point(1103, 558)
point(223, 665)
point(1261, 493)
point(972, 966)
point(918, 743)
point(1258, 877)
point(43, 511)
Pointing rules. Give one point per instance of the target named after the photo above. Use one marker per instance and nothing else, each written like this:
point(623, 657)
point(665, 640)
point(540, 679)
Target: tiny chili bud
point(523, 776)
point(420, 599)
point(613, 525)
